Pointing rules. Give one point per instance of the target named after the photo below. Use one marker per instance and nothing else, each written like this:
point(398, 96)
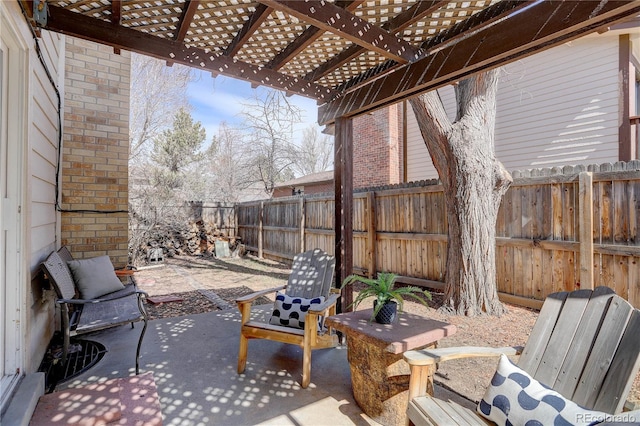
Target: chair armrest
point(253, 296)
point(435, 356)
point(120, 294)
point(321, 309)
point(423, 363)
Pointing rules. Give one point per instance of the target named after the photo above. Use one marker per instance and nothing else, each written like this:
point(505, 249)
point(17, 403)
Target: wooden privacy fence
point(220, 215)
point(557, 229)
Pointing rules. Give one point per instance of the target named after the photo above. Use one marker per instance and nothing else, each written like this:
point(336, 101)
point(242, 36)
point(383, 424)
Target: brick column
point(377, 147)
point(95, 151)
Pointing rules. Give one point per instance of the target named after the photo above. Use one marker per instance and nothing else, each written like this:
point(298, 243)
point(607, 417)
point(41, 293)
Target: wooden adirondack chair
point(585, 345)
point(311, 276)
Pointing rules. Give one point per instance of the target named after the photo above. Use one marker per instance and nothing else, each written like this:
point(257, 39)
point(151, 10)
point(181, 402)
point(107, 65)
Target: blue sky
point(220, 99)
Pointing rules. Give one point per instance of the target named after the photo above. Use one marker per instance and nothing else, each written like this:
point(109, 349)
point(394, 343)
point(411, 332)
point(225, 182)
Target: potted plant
point(387, 298)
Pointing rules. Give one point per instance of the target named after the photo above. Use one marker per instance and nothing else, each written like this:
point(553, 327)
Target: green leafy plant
point(383, 289)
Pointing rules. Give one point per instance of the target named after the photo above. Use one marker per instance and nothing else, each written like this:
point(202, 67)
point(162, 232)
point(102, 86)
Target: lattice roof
point(334, 51)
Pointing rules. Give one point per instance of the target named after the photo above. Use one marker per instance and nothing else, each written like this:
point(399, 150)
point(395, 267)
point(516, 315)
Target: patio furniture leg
point(242, 353)
point(64, 313)
point(144, 329)
point(306, 349)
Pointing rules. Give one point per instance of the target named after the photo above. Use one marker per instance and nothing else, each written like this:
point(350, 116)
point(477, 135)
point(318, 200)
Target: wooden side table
point(379, 374)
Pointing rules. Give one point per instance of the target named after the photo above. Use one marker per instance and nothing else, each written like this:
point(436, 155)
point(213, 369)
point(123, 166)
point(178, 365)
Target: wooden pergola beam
point(307, 37)
point(541, 25)
point(116, 18)
point(99, 31)
point(188, 11)
point(27, 5)
point(116, 12)
point(477, 22)
point(394, 26)
point(329, 17)
point(261, 13)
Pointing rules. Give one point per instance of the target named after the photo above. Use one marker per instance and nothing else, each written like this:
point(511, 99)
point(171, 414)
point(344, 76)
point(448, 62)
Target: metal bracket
point(40, 12)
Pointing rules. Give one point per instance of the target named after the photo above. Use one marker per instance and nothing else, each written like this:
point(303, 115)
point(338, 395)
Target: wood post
point(626, 147)
point(371, 234)
point(260, 230)
point(235, 220)
point(585, 191)
point(302, 224)
point(343, 184)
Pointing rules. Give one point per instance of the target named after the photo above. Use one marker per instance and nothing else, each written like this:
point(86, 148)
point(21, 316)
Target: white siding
point(554, 108)
point(44, 147)
point(419, 164)
point(43, 153)
point(38, 106)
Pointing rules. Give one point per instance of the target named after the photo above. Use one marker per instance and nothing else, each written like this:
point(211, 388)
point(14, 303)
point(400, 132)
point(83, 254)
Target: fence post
point(585, 191)
point(302, 224)
point(260, 213)
point(371, 234)
point(235, 219)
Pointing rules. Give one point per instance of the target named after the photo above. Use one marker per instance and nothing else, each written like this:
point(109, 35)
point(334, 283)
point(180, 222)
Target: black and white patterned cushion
point(515, 398)
point(291, 311)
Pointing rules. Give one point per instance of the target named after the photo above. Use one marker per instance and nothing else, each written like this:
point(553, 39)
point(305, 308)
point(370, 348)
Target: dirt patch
point(192, 278)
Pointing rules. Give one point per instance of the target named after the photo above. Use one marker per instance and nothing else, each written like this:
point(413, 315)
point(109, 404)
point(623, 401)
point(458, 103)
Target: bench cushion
point(94, 277)
point(119, 310)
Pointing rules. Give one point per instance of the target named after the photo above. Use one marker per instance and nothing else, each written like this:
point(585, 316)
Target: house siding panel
point(43, 136)
point(32, 321)
point(555, 108)
point(419, 164)
point(40, 216)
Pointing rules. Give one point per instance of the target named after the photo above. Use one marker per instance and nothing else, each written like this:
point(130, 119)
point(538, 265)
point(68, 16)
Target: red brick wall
point(319, 188)
point(377, 147)
point(378, 157)
point(281, 192)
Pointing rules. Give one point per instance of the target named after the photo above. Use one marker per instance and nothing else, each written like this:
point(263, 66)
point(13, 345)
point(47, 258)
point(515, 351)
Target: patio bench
point(86, 315)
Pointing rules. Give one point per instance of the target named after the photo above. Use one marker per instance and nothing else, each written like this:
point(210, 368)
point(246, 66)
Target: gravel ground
point(206, 284)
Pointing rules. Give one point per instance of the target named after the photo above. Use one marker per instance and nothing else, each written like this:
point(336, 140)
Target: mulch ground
point(195, 279)
point(192, 302)
point(197, 302)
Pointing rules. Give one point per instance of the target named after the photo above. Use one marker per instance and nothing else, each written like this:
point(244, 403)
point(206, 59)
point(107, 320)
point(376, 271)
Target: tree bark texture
point(474, 182)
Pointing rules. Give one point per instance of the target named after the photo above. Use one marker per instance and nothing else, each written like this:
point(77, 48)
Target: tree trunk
point(474, 182)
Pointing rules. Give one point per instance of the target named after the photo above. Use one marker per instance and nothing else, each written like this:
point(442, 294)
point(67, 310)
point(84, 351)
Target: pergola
point(352, 56)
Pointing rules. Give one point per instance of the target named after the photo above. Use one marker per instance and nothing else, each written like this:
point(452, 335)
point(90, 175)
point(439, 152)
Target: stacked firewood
point(191, 239)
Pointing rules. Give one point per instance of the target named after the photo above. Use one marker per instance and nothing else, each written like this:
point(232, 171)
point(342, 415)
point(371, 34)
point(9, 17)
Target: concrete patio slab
point(193, 360)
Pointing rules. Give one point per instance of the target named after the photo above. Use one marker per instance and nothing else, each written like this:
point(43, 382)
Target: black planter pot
point(388, 313)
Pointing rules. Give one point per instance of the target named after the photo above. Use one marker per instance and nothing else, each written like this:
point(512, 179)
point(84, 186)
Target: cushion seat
point(119, 307)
